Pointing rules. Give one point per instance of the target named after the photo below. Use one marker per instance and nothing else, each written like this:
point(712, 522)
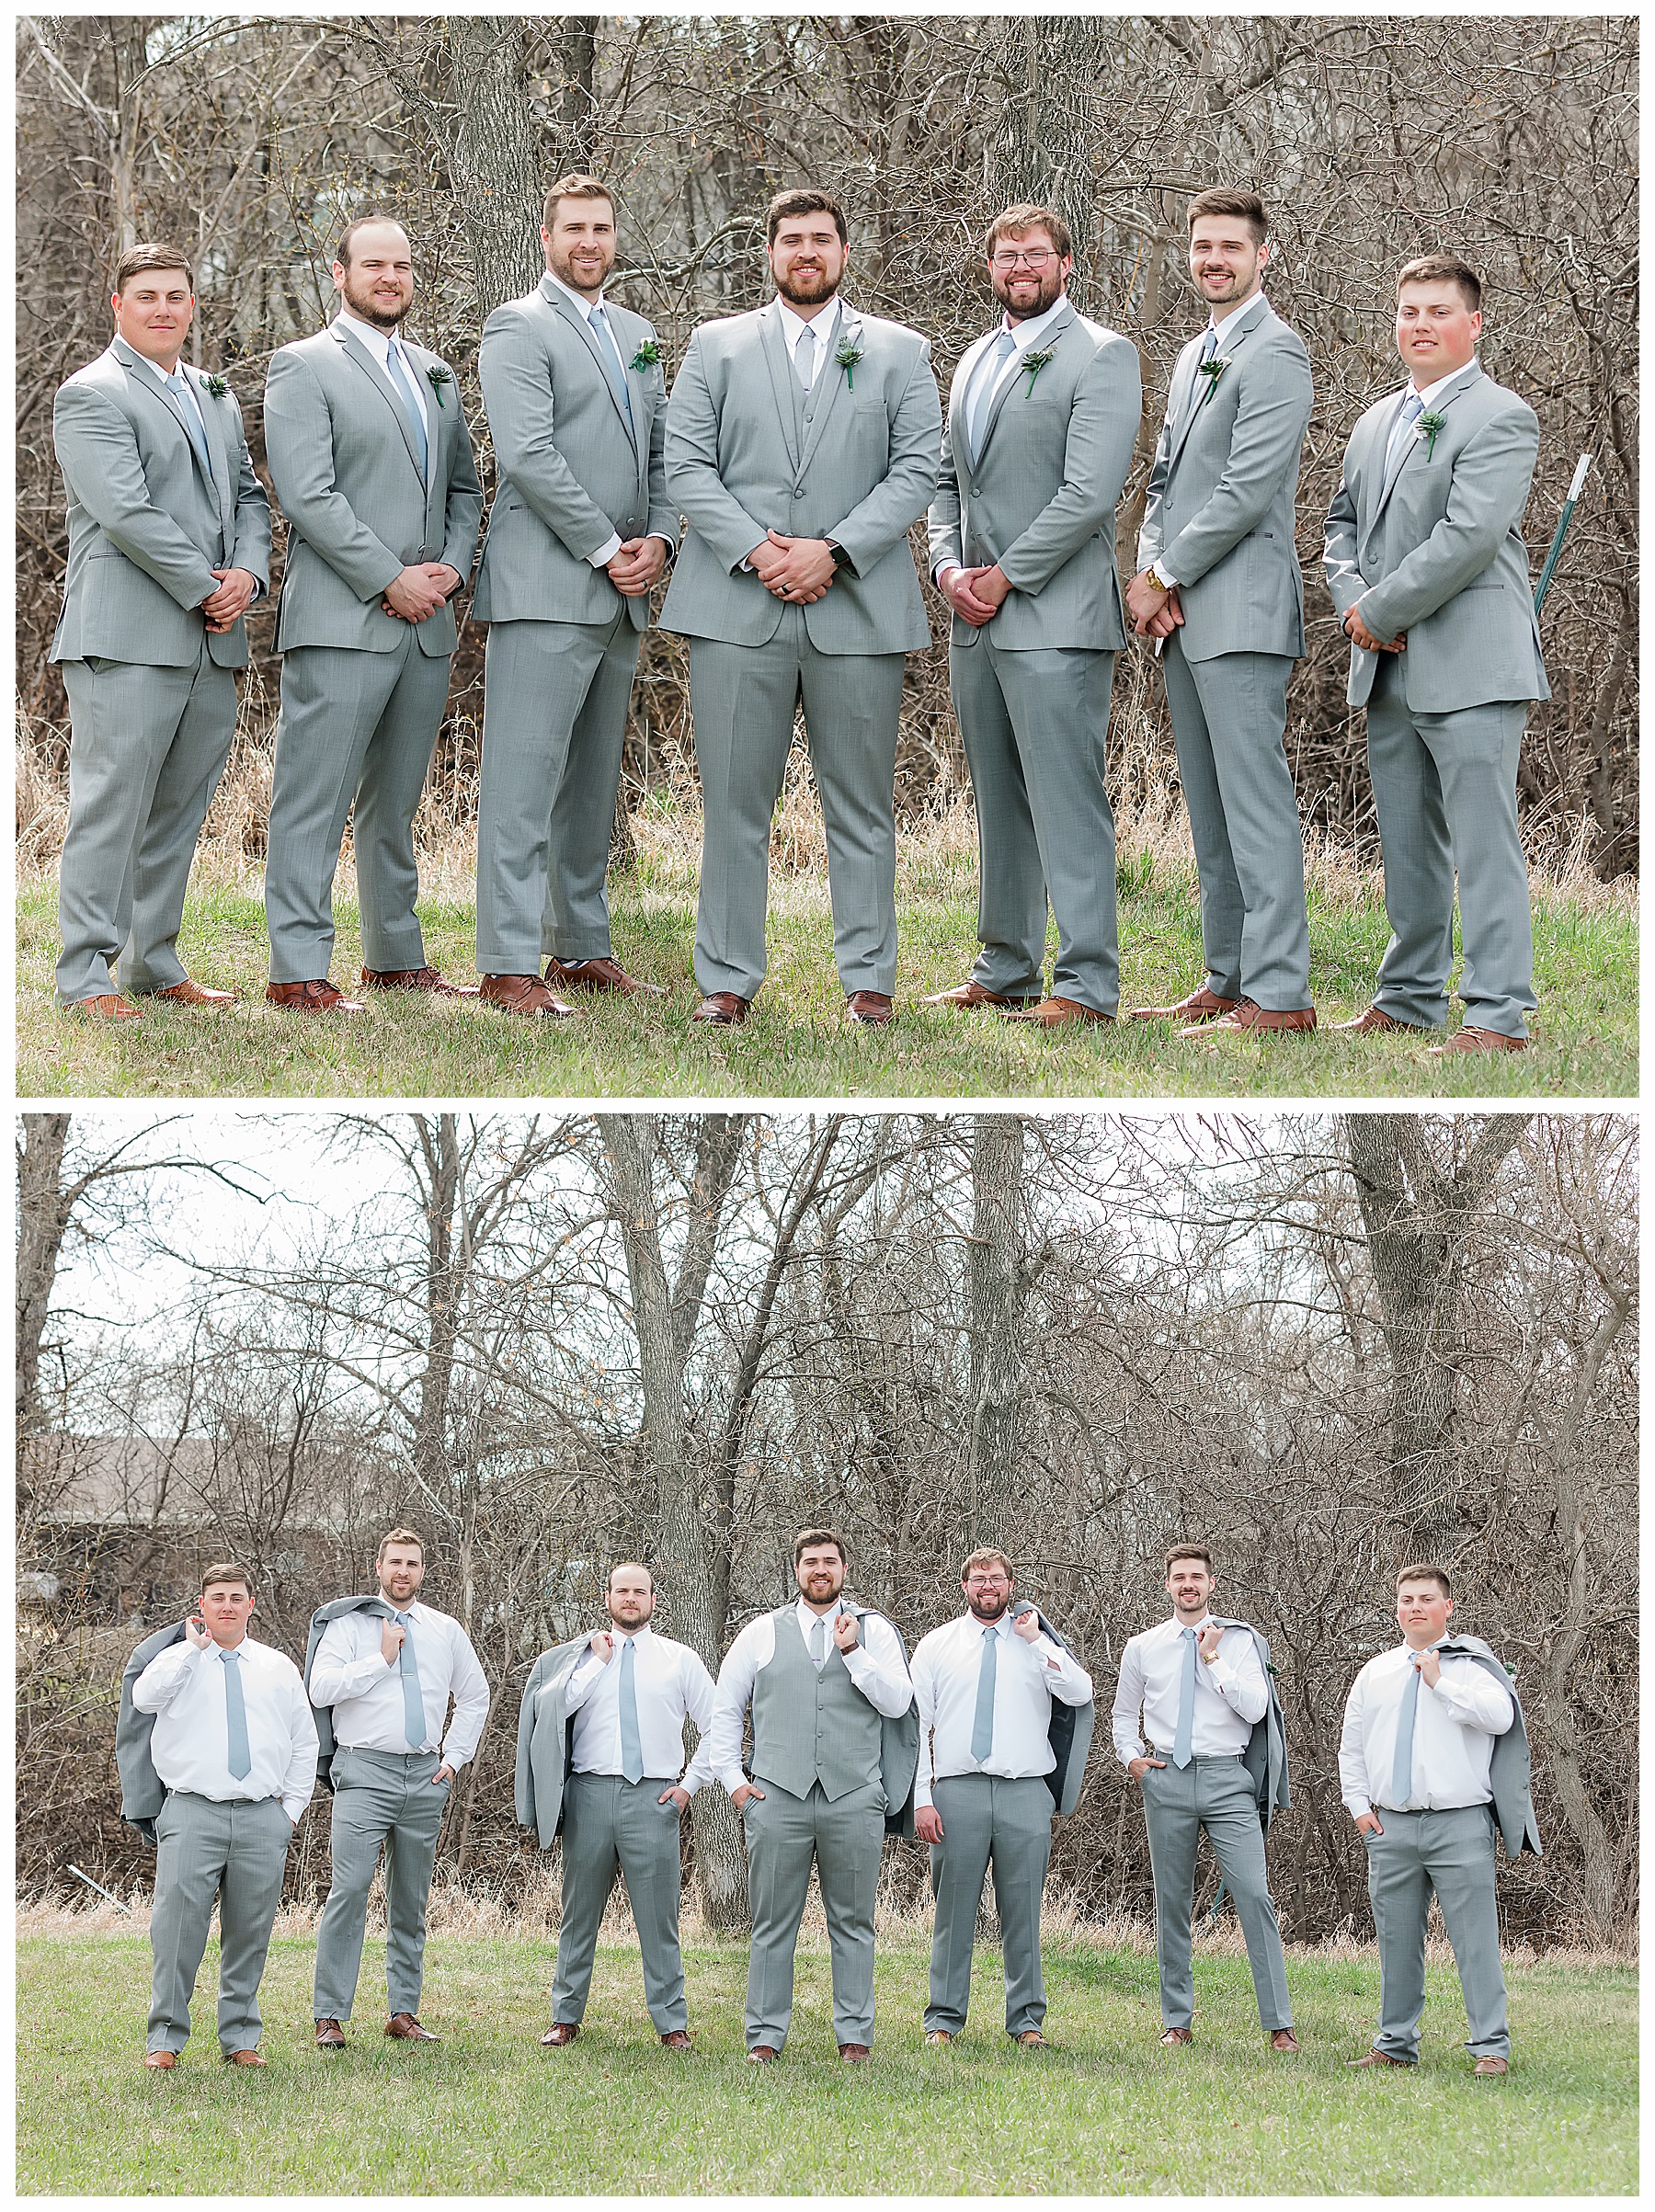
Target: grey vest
point(812, 1724)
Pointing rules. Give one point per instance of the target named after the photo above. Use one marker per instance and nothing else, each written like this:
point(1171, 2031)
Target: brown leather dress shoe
point(165, 2060)
point(1032, 2040)
point(402, 2027)
point(870, 1010)
point(1200, 1006)
point(525, 994)
point(244, 2058)
point(1489, 2065)
point(330, 2035)
point(762, 2054)
point(1283, 2040)
point(605, 974)
point(314, 997)
point(971, 993)
point(855, 2054)
point(1052, 1013)
point(560, 2033)
point(1473, 1040)
point(1377, 1022)
point(416, 979)
point(937, 2037)
point(1375, 2058)
point(109, 1006)
point(190, 993)
point(676, 2039)
point(724, 1010)
point(1247, 1019)
point(1172, 2036)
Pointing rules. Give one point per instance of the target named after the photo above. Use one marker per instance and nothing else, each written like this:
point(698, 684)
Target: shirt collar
point(1431, 390)
point(635, 1635)
point(1179, 1627)
point(377, 340)
point(1028, 333)
point(806, 1616)
point(130, 354)
point(581, 299)
point(1243, 318)
point(792, 324)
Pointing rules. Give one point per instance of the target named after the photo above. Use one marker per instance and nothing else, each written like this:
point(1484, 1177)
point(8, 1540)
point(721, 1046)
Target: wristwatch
point(841, 559)
point(1160, 582)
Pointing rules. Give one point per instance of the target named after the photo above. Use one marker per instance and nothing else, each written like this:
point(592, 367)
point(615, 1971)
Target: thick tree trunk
point(43, 1207)
point(439, 1145)
point(495, 161)
point(664, 1340)
point(1043, 150)
point(998, 1287)
point(1417, 1220)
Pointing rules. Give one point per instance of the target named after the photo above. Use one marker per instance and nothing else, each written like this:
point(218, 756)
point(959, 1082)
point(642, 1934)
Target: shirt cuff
point(1161, 570)
point(606, 552)
point(292, 1808)
point(1356, 1807)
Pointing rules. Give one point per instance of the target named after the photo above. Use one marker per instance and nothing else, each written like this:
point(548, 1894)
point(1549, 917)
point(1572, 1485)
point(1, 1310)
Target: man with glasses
point(1042, 418)
point(983, 1688)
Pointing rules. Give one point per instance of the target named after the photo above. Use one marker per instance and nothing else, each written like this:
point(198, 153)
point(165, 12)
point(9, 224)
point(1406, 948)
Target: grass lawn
point(796, 1043)
point(1106, 2113)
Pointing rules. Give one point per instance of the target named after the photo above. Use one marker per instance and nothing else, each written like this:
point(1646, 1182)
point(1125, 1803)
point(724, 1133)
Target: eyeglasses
point(987, 1582)
point(1036, 259)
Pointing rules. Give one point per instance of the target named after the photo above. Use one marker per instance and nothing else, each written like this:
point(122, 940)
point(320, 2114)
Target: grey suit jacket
point(1509, 1761)
point(865, 475)
point(1070, 1732)
point(142, 1792)
point(545, 1744)
point(573, 473)
point(1265, 1758)
point(146, 530)
point(323, 1715)
point(346, 472)
point(1432, 548)
point(1041, 499)
point(1221, 491)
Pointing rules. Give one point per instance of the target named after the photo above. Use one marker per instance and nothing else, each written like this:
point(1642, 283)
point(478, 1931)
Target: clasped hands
point(796, 569)
point(223, 607)
point(976, 595)
point(1154, 612)
point(421, 591)
point(1354, 627)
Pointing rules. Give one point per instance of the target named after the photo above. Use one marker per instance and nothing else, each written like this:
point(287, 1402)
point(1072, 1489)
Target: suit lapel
point(1008, 384)
point(775, 357)
point(361, 359)
point(219, 451)
point(1412, 443)
point(589, 337)
point(140, 378)
point(850, 330)
point(959, 438)
point(436, 425)
point(1226, 349)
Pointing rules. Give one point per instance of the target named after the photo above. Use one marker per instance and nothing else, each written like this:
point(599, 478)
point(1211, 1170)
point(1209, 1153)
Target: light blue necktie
point(192, 418)
point(414, 1712)
point(987, 381)
point(402, 376)
point(982, 1726)
point(1186, 1703)
point(818, 1642)
point(1402, 1765)
point(1408, 415)
point(612, 364)
point(1209, 346)
point(632, 1749)
point(235, 1718)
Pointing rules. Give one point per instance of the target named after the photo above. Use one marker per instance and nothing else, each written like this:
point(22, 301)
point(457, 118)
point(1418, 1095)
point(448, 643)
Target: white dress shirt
point(947, 1666)
point(193, 397)
point(349, 1672)
point(1028, 335)
point(1231, 1694)
point(378, 343)
point(585, 302)
point(1454, 1727)
point(1231, 328)
point(668, 1681)
point(816, 335)
point(1429, 394)
point(184, 1688)
point(874, 1664)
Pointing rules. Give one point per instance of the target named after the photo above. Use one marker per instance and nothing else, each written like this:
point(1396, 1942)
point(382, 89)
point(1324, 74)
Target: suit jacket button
point(976, 491)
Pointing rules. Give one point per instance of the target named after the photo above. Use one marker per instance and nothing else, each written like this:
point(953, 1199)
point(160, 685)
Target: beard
point(986, 1607)
point(565, 271)
point(1050, 285)
point(362, 302)
point(808, 288)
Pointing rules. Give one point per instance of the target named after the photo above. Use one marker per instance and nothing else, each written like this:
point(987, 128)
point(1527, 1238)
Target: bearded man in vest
point(835, 1746)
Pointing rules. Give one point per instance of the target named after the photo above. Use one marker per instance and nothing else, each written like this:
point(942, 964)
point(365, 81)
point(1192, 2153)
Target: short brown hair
point(1189, 1550)
point(803, 199)
point(576, 185)
point(609, 1581)
point(814, 1539)
point(981, 1559)
point(400, 1535)
point(1226, 199)
point(1423, 1570)
point(360, 223)
point(156, 254)
point(1443, 269)
point(223, 1571)
point(1014, 222)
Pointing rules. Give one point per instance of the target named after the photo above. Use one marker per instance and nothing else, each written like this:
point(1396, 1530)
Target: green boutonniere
point(1427, 427)
point(847, 357)
point(1035, 362)
point(1213, 370)
point(436, 378)
point(217, 386)
point(647, 355)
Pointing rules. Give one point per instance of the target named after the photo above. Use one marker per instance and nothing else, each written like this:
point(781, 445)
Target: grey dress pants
point(235, 1850)
point(1451, 1852)
point(785, 1834)
point(988, 1820)
point(1218, 1795)
point(615, 1827)
point(380, 1798)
